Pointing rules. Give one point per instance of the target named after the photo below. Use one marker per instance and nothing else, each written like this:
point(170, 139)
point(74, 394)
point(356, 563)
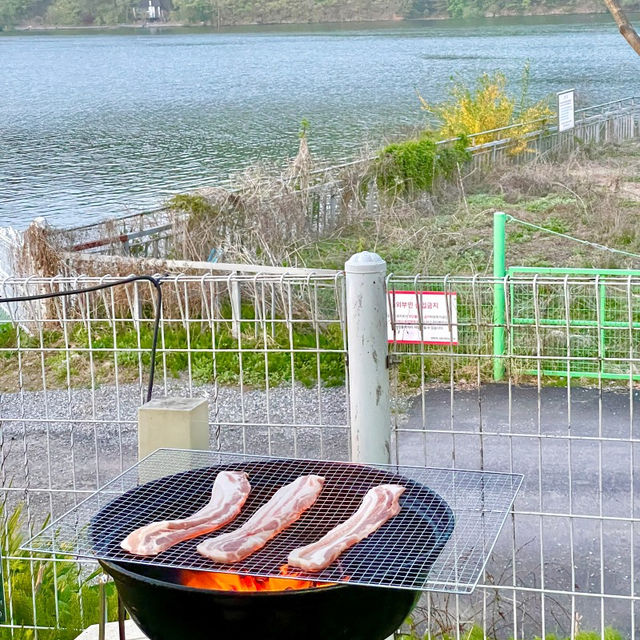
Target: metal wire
point(100, 287)
point(398, 555)
point(69, 426)
point(567, 560)
point(573, 442)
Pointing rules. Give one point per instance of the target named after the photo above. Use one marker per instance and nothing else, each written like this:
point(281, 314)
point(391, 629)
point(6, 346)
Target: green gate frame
point(3, 617)
point(503, 275)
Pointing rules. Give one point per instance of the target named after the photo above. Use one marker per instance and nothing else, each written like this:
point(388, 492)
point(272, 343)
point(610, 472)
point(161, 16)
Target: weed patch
point(46, 593)
point(263, 353)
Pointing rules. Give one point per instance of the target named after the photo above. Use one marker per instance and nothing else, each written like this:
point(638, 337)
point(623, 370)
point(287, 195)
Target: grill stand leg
point(102, 622)
point(121, 614)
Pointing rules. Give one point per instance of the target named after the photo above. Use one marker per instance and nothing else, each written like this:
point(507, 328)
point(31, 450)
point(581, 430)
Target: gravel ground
point(81, 442)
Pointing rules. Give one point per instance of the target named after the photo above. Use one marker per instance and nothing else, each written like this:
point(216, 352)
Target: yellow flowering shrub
point(487, 106)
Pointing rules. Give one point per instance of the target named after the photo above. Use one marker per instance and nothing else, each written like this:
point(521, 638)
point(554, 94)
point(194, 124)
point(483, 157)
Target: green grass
point(548, 203)
point(28, 582)
point(276, 353)
point(519, 234)
point(281, 353)
point(556, 224)
point(629, 204)
point(482, 201)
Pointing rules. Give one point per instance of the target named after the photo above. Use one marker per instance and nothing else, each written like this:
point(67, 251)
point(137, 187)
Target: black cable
point(156, 321)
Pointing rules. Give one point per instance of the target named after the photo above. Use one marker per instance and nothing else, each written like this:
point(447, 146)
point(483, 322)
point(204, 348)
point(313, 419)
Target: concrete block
point(176, 423)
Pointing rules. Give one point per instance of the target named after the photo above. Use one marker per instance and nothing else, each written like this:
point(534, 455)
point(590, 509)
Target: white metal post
point(236, 304)
point(367, 350)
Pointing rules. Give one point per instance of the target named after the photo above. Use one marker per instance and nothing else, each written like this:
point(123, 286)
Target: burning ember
point(233, 582)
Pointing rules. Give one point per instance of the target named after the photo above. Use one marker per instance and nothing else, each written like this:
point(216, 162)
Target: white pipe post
point(236, 304)
point(367, 348)
point(370, 413)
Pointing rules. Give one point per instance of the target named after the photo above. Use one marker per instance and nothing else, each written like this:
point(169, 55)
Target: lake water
point(99, 124)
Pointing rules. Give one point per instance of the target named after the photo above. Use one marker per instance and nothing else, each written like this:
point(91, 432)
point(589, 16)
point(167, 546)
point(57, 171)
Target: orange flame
point(234, 582)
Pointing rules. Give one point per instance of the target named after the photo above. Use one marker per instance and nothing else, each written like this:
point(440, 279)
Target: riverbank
point(593, 195)
point(580, 211)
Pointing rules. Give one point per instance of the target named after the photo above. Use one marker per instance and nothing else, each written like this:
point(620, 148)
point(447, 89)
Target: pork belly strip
point(285, 507)
point(230, 491)
point(378, 505)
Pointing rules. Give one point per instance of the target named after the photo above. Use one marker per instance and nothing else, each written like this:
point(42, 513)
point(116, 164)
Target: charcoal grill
point(439, 541)
point(166, 610)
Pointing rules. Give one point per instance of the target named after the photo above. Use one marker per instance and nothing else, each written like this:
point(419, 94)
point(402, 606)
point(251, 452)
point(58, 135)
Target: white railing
point(609, 122)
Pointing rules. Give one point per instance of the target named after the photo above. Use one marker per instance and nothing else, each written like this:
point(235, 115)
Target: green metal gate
point(582, 323)
point(590, 321)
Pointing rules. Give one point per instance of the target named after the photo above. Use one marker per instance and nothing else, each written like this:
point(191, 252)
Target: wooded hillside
point(230, 12)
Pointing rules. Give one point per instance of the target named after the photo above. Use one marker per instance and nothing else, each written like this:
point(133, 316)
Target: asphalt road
point(577, 454)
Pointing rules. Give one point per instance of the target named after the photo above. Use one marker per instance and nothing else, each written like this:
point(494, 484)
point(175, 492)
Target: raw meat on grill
point(228, 495)
point(378, 505)
point(285, 507)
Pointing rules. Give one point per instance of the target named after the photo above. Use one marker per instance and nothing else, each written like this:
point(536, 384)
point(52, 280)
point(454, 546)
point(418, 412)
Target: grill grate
point(440, 540)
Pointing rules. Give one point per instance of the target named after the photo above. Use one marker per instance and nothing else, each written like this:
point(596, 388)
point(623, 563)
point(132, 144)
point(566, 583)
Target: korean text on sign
point(429, 317)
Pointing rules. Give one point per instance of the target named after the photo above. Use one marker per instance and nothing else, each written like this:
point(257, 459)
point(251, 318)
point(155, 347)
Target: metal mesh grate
point(439, 541)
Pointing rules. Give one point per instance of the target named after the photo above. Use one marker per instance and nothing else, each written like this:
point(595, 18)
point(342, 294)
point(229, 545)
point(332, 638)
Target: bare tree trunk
point(627, 31)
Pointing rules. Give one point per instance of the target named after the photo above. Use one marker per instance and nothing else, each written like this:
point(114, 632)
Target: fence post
point(499, 272)
point(236, 304)
point(370, 413)
point(180, 423)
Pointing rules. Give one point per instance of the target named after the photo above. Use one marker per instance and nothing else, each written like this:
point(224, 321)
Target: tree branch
point(627, 31)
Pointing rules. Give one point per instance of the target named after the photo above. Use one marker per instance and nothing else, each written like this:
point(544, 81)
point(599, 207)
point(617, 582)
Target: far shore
point(158, 26)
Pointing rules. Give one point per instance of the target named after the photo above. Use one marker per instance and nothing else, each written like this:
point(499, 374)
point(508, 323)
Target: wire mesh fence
point(567, 561)
point(587, 328)
point(268, 352)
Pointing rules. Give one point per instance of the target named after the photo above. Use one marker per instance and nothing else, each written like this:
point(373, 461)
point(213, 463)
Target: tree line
point(231, 12)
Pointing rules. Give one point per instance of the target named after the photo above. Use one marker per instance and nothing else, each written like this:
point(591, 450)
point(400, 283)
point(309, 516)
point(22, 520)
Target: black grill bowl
point(169, 611)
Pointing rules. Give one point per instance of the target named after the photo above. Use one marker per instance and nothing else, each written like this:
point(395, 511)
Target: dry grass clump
point(533, 180)
point(258, 222)
point(266, 219)
point(38, 255)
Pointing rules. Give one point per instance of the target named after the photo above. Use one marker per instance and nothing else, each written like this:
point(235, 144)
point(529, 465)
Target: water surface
point(99, 124)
